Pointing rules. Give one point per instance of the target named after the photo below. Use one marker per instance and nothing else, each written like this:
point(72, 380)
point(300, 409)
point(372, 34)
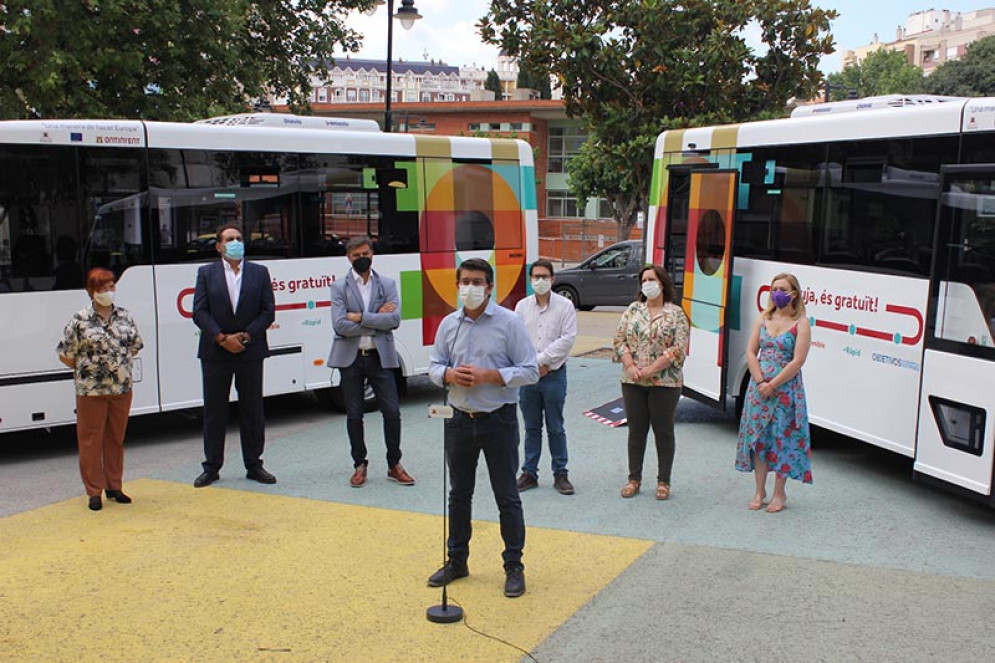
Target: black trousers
point(217, 377)
point(497, 437)
point(654, 407)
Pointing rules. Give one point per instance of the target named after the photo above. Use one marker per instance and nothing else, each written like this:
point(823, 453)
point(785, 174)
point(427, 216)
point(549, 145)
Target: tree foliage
point(971, 76)
point(493, 83)
point(881, 72)
point(162, 59)
point(537, 81)
point(633, 69)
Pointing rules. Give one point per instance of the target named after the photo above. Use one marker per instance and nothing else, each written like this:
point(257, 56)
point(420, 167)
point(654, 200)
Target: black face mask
point(362, 265)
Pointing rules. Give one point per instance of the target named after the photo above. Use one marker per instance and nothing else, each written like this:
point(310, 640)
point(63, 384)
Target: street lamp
point(407, 15)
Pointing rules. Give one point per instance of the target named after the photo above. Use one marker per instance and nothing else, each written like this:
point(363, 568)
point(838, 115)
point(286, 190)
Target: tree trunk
point(626, 211)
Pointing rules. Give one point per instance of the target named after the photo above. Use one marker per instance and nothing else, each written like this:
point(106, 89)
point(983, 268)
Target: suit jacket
point(213, 314)
point(381, 326)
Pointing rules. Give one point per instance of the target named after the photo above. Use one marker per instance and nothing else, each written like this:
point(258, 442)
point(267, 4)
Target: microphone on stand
point(444, 613)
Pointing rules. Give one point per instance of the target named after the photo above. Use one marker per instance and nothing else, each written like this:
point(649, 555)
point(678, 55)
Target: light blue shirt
point(496, 339)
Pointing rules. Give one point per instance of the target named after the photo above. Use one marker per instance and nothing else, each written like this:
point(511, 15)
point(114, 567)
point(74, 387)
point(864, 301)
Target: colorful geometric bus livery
point(75, 194)
point(887, 218)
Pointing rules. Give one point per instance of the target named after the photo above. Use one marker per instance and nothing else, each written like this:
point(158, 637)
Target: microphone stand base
point(444, 614)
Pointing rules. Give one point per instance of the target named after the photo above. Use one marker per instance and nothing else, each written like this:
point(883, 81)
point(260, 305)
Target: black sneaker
point(448, 573)
point(527, 482)
point(562, 484)
point(514, 583)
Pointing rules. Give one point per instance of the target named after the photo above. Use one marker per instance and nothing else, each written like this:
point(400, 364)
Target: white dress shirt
point(365, 291)
point(553, 328)
point(234, 281)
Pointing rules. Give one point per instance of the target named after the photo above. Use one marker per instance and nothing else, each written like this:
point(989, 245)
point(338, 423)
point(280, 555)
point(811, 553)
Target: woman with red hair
point(98, 344)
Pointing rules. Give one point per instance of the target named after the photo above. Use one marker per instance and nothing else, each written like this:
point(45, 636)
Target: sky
point(447, 30)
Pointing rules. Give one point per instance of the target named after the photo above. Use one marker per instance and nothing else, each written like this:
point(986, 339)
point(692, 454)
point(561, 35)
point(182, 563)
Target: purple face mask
point(780, 298)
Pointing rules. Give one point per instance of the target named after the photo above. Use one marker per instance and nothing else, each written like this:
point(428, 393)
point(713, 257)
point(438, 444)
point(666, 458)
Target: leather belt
point(480, 415)
point(367, 353)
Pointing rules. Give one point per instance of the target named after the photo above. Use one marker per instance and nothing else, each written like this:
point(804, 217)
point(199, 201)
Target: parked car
point(608, 278)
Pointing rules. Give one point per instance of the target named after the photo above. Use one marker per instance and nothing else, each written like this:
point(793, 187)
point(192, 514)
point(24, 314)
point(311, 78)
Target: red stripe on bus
point(835, 326)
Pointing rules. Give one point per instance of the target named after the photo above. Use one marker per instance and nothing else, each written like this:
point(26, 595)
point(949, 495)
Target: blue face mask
point(235, 250)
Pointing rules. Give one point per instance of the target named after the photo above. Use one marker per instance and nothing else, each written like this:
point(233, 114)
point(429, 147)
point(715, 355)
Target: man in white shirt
point(552, 324)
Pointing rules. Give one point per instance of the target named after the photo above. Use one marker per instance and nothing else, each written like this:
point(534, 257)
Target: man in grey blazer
point(365, 311)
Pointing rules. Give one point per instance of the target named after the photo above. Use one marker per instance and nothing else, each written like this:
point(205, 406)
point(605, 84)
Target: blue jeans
point(497, 436)
point(385, 389)
point(545, 397)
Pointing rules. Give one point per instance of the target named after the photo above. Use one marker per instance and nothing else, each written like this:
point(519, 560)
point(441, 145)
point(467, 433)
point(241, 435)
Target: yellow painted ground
point(212, 574)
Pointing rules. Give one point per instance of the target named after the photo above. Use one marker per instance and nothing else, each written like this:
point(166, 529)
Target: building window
point(564, 144)
point(473, 126)
point(322, 95)
point(364, 96)
point(426, 96)
point(605, 210)
point(562, 204)
point(409, 95)
point(337, 93)
point(350, 95)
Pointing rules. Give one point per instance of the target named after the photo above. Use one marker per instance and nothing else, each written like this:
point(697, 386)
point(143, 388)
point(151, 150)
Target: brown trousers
point(101, 422)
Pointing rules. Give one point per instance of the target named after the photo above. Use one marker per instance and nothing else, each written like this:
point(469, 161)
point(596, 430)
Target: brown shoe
point(358, 477)
point(398, 475)
point(562, 484)
point(526, 482)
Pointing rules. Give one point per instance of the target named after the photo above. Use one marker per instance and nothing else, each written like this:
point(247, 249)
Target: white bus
point(144, 199)
point(887, 217)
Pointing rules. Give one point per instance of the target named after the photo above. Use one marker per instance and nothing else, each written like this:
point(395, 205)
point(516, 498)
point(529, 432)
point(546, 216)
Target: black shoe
point(514, 583)
point(526, 482)
point(448, 573)
point(206, 479)
point(260, 475)
point(562, 484)
point(95, 503)
point(118, 497)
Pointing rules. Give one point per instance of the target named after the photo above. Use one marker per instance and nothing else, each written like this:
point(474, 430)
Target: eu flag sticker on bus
point(76, 137)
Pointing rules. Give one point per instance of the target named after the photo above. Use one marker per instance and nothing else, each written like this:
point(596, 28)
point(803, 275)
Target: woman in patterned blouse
point(98, 344)
point(651, 343)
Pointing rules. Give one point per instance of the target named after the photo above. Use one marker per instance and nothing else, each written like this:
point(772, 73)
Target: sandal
point(630, 489)
point(663, 491)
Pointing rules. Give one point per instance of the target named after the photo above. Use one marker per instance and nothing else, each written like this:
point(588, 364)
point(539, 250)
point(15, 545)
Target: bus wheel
point(337, 399)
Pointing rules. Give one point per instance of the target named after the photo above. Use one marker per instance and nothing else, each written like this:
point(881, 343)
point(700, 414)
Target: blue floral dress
point(776, 428)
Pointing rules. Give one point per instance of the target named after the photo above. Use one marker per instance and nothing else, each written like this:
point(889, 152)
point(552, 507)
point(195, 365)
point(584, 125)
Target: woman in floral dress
point(651, 343)
point(774, 432)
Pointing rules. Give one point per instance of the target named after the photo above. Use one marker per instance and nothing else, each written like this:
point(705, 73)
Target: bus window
point(882, 203)
point(114, 205)
point(346, 196)
point(966, 306)
point(784, 204)
point(197, 191)
point(39, 219)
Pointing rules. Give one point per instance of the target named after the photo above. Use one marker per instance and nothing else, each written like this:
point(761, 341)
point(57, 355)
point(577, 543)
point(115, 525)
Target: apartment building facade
point(931, 37)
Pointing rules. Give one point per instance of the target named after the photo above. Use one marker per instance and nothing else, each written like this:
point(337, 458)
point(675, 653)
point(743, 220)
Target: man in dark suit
point(365, 311)
point(233, 305)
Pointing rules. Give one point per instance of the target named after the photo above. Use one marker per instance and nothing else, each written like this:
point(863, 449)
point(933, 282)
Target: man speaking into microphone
point(483, 354)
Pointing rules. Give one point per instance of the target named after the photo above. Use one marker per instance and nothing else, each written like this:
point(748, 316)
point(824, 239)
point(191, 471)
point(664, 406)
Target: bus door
point(705, 215)
point(956, 429)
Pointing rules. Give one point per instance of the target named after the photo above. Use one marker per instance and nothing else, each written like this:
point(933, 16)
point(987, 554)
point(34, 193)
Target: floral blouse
point(102, 350)
point(647, 339)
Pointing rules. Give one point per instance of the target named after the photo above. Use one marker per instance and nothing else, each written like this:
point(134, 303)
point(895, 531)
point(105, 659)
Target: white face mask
point(651, 289)
point(104, 298)
point(472, 296)
point(541, 286)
